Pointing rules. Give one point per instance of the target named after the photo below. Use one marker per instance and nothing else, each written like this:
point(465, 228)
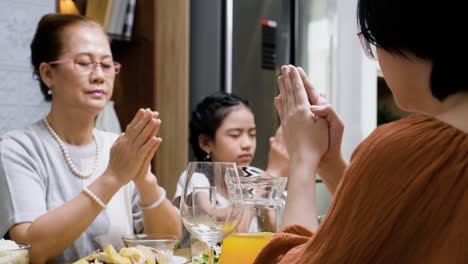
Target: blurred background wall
point(178, 54)
point(21, 101)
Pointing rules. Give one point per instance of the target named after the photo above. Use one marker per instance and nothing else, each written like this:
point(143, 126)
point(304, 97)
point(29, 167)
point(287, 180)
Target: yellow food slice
point(159, 256)
point(132, 253)
point(85, 259)
point(150, 258)
point(112, 254)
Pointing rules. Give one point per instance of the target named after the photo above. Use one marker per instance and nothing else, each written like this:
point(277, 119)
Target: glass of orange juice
point(262, 201)
point(242, 248)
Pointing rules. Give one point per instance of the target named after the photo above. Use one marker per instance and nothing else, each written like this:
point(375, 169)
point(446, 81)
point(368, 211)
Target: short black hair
point(431, 30)
point(208, 116)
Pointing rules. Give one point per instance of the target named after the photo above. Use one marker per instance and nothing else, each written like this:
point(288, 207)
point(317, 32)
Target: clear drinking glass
point(210, 205)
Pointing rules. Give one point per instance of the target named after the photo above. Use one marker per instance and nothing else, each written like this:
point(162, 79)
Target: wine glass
point(210, 204)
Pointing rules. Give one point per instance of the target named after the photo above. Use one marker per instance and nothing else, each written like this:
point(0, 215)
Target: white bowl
point(15, 256)
point(163, 243)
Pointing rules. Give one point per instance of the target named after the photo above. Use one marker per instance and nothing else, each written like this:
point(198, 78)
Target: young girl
point(222, 128)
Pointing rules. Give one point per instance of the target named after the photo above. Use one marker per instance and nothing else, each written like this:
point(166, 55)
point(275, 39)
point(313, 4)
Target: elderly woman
point(67, 188)
point(403, 196)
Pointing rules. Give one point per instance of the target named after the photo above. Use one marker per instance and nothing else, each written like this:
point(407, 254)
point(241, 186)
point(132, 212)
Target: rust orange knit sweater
point(403, 199)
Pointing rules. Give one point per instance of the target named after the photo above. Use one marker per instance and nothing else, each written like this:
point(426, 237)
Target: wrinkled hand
point(135, 147)
point(144, 175)
point(278, 157)
point(320, 107)
point(306, 136)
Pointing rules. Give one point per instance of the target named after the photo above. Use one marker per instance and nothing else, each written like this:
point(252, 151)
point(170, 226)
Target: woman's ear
point(45, 72)
point(204, 142)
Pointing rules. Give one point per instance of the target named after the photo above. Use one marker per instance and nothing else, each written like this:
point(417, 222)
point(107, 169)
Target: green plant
point(203, 259)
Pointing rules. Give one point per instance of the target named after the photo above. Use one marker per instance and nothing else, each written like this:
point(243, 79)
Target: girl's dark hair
point(48, 42)
point(431, 30)
point(208, 116)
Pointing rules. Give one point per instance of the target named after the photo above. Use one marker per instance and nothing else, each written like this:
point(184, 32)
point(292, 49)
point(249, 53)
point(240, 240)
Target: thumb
point(321, 110)
point(279, 106)
point(327, 112)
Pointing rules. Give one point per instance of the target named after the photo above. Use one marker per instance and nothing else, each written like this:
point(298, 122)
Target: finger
point(145, 165)
point(137, 124)
point(147, 132)
point(155, 114)
point(327, 112)
point(149, 157)
point(313, 94)
point(277, 137)
point(130, 127)
point(156, 131)
point(279, 134)
point(322, 110)
point(279, 106)
point(288, 97)
point(300, 95)
point(141, 125)
point(279, 131)
point(151, 145)
point(282, 87)
point(282, 96)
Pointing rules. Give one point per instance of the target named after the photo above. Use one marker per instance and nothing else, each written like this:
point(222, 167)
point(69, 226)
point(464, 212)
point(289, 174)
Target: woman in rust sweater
point(403, 198)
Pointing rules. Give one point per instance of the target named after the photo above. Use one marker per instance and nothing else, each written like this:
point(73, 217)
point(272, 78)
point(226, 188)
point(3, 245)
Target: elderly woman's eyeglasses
point(369, 49)
point(86, 65)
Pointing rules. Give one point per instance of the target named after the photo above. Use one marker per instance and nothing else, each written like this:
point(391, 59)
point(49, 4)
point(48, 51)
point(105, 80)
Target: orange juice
point(242, 248)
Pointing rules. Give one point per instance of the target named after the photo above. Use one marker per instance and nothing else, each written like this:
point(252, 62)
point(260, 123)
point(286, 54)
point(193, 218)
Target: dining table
point(183, 252)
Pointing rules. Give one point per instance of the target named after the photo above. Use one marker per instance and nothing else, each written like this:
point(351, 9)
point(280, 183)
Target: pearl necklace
point(67, 156)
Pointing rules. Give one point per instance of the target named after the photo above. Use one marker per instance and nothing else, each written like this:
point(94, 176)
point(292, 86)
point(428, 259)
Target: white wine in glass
point(210, 205)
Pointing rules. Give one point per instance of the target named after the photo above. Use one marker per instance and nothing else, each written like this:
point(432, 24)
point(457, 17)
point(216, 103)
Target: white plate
point(178, 260)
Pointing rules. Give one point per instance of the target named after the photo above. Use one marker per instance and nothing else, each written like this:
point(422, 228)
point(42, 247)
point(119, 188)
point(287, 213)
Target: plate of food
point(138, 254)
point(178, 260)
